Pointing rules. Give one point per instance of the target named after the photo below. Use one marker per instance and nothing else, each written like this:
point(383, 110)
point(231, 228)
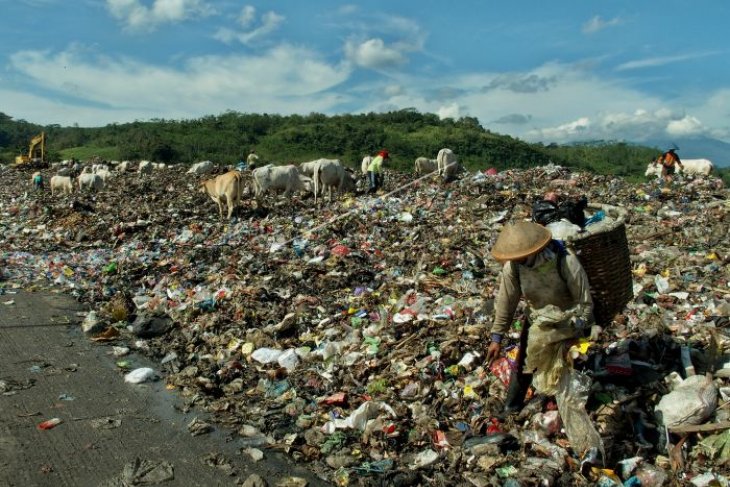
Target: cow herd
point(318, 177)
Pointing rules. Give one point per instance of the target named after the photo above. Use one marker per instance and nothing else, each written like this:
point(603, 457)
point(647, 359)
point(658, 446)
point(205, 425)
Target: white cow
point(90, 181)
point(202, 167)
point(331, 174)
point(447, 164)
point(698, 167)
point(123, 166)
point(424, 165)
point(66, 171)
point(145, 167)
point(365, 164)
point(159, 166)
point(96, 168)
point(62, 184)
point(104, 174)
point(286, 178)
point(307, 168)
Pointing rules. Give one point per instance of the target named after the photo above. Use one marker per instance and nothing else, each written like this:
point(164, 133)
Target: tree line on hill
point(407, 134)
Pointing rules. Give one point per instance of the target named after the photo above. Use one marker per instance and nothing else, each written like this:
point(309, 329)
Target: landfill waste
point(351, 334)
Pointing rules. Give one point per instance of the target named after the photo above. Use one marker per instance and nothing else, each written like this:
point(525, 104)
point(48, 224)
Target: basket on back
point(603, 250)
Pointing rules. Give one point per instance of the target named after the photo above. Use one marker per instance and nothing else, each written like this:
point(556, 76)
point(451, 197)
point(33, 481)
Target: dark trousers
point(519, 382)
point(376, 181)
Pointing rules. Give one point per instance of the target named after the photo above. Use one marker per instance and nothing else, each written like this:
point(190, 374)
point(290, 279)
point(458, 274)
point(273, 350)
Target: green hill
point(407, 134)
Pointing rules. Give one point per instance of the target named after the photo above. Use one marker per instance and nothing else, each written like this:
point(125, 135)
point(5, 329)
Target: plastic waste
point(138, 376)
point(692, 401)
point(50, 424)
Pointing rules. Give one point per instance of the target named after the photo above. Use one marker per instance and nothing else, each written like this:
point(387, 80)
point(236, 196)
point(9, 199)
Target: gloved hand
point(595, 332)
point(493, 352)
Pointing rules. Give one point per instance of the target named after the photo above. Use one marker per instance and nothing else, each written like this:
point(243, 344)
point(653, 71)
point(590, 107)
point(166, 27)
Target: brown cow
point(228, 186)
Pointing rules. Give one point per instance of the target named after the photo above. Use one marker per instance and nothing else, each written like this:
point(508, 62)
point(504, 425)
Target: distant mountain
point(697, 148)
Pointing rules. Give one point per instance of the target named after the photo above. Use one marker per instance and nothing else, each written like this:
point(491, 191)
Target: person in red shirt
point(668, 161)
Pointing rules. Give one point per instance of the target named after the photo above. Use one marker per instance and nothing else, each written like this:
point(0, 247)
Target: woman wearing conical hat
point(559, 310)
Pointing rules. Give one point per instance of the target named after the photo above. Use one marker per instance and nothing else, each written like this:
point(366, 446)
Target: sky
point(541, 71)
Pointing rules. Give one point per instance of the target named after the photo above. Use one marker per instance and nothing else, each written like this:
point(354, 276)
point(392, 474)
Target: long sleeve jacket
point(541, 285)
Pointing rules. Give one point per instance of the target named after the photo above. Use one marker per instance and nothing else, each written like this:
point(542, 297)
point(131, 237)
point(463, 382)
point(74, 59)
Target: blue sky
point(550, 71)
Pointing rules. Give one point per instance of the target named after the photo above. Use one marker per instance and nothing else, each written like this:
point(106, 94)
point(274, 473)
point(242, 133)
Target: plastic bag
point(547, 346)
point(137, 376)
point(573, 391)
point(691, 402)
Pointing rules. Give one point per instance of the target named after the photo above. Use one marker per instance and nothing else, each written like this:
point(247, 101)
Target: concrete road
point(49, 369)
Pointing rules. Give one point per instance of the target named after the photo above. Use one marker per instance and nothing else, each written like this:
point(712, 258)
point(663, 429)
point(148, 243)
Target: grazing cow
point(66, 171)
point(62, 184)
point(447, 164)
point(96, 168)
point(424, 165)
point(285, 178)
point(331, 174)
point(90, 181)
point(145, 167)
point(365, 164)
point(307, 168)
point(123, 166)
point(699, 167)
point(228, 187)
point(104, 174)
point(202, 167)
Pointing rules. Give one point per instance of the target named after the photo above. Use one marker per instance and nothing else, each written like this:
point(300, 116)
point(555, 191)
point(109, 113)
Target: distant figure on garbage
point(375, 171)
point(668, 160)
point(252, 159)
point(559, 310)
point(37, 180)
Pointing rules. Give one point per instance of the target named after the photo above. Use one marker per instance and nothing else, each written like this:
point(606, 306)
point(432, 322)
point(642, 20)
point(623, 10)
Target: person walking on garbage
point(668, 160)
point(252, 159)
point(375, 171)
point(559, 310)
point(37, 180)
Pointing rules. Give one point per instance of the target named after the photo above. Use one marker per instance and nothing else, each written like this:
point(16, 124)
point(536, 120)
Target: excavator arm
point(37, 146)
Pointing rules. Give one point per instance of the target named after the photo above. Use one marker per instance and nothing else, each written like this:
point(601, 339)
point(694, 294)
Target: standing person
point(37, 180)
point(668, 160)
point(252, 159)
point(375, 171)
point(559, 310)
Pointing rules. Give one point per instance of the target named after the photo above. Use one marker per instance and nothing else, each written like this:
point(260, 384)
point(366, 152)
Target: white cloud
point(270, 21)
point(453, 110)
point(597, 24)
point(572, 106)
point(137, 16)
point(570, 130)
point(373, 54)
point(247, 16)
point(686, 126)
point(662, 60)
point(285, 80)
point(393, 90)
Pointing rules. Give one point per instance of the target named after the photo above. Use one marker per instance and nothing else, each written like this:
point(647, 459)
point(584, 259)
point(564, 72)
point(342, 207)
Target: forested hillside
point(407, 134)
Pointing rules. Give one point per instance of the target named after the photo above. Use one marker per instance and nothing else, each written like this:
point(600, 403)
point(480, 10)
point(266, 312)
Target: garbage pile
point(351, 334)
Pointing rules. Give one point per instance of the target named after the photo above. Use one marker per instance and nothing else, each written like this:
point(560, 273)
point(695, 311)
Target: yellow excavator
point(36, 152)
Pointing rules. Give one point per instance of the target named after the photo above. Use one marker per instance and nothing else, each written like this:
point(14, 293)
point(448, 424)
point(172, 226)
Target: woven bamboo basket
point(604, 255)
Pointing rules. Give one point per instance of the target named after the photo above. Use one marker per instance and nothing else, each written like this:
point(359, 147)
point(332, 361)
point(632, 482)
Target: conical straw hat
point(520, 240)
